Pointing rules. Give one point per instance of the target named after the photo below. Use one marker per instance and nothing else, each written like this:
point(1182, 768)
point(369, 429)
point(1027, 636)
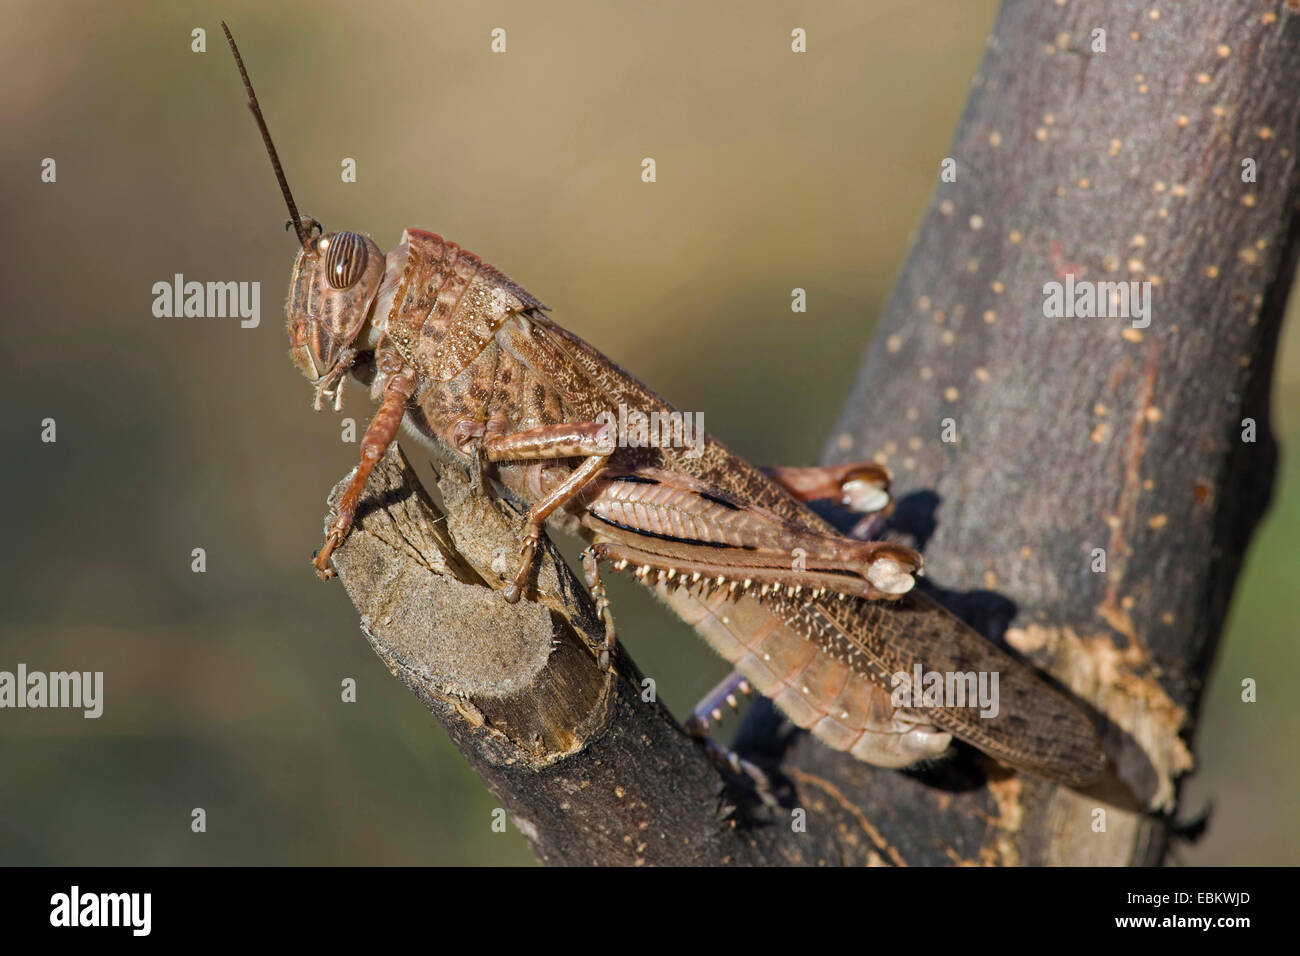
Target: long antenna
point(266, 138)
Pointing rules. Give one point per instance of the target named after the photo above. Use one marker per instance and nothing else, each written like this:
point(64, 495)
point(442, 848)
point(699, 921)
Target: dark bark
point(1071, 434)
point(1076, 434)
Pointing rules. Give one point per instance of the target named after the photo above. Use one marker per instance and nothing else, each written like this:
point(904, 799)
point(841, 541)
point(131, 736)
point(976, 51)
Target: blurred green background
point(222, 688)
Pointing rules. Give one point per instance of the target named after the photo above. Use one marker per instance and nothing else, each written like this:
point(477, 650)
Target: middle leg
point(590, 440)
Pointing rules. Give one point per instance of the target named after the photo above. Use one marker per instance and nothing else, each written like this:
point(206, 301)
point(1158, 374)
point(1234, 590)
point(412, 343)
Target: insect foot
point(320, 559)
point(591, 573)
point(891, 569)
point(861, 486)
point(513, 591)
point(890, 577)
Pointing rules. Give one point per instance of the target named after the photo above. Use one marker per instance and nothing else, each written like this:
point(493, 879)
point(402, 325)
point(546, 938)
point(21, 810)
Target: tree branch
point(1076, 434)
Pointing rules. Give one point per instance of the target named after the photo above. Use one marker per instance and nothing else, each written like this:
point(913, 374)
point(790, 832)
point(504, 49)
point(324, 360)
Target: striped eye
point(345, 261)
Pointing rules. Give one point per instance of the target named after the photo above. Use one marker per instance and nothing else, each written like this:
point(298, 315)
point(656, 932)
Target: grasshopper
point(825, 625)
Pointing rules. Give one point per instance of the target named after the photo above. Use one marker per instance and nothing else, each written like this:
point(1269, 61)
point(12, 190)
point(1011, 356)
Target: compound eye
point(345, 260)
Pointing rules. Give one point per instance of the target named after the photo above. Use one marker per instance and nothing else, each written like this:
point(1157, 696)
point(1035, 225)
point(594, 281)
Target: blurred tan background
point(775, 170)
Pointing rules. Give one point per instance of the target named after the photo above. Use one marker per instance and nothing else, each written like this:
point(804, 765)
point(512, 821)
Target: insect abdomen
point(820, 693)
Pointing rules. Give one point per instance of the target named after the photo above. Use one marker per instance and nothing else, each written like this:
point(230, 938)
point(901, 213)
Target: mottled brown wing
point(1037, 728)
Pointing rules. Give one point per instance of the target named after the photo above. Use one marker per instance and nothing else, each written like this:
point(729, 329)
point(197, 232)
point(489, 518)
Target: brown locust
point(825, 625)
